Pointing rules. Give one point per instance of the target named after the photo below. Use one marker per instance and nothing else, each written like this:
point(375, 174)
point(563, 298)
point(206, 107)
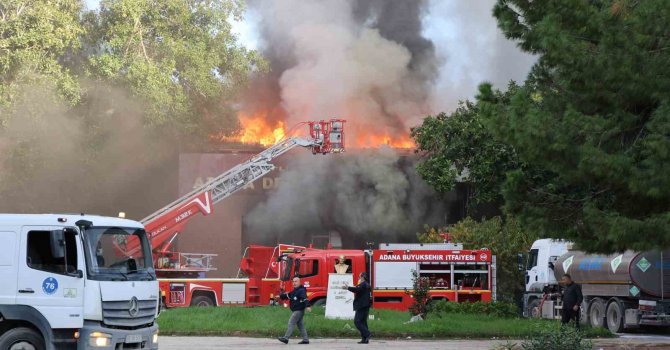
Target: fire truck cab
point(313, 266)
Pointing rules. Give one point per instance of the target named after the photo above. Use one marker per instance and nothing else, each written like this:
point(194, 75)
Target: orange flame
point(256, 129)
point(377, 140)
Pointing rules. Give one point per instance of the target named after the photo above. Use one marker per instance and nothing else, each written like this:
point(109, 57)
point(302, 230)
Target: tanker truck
point(621, 291)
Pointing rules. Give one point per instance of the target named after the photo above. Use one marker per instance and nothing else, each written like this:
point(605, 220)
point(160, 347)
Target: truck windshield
point(287, 267)
point(118, 253)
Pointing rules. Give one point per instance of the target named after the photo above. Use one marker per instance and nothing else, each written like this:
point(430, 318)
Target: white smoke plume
point(373, 63)
point(346, 59)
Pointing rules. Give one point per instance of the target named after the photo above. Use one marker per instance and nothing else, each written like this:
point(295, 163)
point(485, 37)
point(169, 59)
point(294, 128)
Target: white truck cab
point(542, 253)
point(67, 283)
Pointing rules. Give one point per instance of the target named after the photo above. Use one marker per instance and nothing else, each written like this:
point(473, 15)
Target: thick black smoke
point(362, 194)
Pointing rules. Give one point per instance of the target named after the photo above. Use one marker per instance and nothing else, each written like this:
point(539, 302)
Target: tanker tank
point(643, 273)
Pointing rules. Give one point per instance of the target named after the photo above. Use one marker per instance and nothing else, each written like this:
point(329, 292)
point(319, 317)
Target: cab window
point(532, 258)
point(308, 268)
point(40, 253)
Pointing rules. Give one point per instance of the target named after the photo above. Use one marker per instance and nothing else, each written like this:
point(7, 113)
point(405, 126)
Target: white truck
point(66, 285)
point(621, 290)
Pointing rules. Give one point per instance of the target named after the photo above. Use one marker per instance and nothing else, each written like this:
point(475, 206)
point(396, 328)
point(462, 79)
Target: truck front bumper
point(94, 336)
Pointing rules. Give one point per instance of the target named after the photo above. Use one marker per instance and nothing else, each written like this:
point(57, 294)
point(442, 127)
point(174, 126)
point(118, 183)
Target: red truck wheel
point(202, 301)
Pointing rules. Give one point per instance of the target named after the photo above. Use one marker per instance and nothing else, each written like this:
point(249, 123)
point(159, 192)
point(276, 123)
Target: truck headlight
point(99, 339)
point(154, 339)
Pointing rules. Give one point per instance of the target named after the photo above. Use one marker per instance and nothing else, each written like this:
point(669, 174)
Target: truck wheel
point(320, 303)
point(615, 317)
point(597, 313)
point(21, 338)
point(202, 301)
point(534, 309)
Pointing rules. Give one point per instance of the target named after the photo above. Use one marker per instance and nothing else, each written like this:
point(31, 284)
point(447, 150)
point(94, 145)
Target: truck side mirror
point(57, 240)
point(519, 261)
point(551, 265)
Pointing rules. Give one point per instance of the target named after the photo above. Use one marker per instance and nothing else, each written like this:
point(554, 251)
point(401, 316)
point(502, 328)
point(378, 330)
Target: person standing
point(299, 303)
point(572, 299)
point(361, 306)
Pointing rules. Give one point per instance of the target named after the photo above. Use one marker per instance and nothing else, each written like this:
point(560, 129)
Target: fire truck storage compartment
point(234, 293)
point(394, 275)
point(177, 293)
point(471, 276)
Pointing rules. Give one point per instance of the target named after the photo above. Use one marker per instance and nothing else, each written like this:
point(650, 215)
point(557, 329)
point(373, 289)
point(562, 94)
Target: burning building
point(364, 195)
point(363, 61)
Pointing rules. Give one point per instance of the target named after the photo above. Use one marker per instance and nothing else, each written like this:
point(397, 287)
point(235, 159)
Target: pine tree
point(592, 122)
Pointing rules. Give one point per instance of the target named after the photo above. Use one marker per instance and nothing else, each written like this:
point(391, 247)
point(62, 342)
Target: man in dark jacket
point(361, 306)
point(299, 302)
point(572, 299)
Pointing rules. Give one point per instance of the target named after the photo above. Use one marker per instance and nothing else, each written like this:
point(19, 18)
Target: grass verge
point(271, 322)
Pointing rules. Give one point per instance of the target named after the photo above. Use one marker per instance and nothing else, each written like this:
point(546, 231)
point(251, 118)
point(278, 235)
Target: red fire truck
point(453, 273)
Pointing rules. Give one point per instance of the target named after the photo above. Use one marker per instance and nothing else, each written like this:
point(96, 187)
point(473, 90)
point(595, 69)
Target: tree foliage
point(431, 235)
point(84, 92)
point(459, 148)
point(35, 39)
point(588, 133)
point(179, 57)
point(592, 120)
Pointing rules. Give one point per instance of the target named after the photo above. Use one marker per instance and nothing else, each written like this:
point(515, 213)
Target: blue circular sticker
point(50, 285)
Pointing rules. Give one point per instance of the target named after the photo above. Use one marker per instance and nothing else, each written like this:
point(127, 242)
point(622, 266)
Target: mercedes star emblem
point(133, 307)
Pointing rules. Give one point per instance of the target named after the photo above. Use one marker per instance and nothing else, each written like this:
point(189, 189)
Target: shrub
point(497, 309)
point(553, 336)
point(421, 286)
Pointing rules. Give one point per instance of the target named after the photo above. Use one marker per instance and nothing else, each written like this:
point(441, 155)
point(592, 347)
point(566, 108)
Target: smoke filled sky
point(469, 46)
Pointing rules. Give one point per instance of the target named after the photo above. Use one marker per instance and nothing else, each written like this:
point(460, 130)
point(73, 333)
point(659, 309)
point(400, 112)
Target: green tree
point(431, 235)
point(35, 38)
point(179, 57)
point(459, 148)
point(593, 119)
point(81, 93)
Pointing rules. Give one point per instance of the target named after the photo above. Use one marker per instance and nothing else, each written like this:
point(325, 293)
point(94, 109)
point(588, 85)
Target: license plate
point(134, 338)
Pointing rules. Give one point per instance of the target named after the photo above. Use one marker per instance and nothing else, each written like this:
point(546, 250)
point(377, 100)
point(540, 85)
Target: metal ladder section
point(237, 177)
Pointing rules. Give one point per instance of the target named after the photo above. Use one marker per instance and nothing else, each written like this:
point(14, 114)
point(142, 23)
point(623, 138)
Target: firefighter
point(572, 299)
point(299, 303)
point(361, 306)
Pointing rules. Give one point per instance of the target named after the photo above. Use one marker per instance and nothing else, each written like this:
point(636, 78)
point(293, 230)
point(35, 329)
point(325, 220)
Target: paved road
point(627, 342)
point(211, 343)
